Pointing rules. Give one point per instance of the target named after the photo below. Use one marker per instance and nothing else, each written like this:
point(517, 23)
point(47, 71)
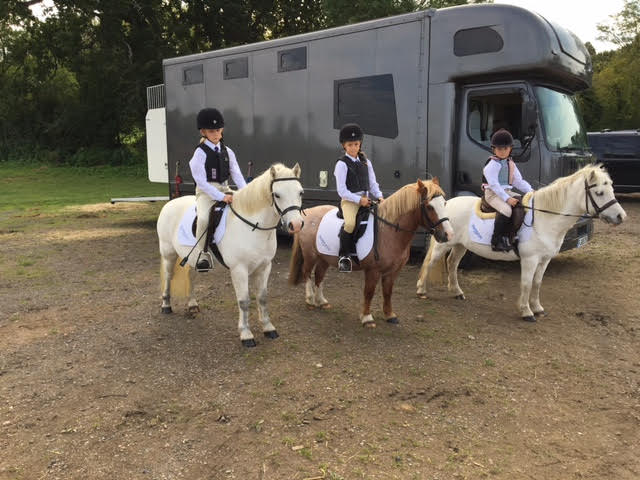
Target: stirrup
point(344, 265)
point(204, 262)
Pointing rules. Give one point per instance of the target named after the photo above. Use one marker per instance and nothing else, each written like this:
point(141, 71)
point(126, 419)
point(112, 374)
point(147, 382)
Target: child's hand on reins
point(512, 201)
point(365, 201)
point(228, 198)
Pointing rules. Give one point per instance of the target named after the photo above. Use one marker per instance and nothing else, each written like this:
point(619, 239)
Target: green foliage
point(624, 26)
point(73, 84)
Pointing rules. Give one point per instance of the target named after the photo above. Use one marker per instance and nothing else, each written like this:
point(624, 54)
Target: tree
point(624, 26)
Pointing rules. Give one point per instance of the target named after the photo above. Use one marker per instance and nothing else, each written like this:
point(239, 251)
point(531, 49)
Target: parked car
point(619, 151)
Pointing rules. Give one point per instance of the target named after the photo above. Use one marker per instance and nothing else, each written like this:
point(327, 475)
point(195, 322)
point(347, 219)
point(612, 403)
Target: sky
point(579, 16)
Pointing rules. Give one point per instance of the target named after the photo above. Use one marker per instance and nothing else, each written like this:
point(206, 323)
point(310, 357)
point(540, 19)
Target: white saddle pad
point(481, 230)
point(185, 233)
point(328, 240)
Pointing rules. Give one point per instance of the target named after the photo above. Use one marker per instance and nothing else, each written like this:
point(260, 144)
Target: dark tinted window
point(191, 75)
point(473, 41)
point(488, 112)
point(236, 68)
point(293, 59)
point(367, 101)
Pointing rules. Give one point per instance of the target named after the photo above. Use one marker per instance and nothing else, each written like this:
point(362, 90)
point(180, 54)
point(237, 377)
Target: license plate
point(582, 241)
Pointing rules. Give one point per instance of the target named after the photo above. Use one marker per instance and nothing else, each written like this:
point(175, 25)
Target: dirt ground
point(96, 383)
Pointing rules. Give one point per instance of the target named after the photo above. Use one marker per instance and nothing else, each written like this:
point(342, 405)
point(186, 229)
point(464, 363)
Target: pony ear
point(422, 190)
point(436, 181)
point(272, 172)
point(592, 176)
point(296, 170)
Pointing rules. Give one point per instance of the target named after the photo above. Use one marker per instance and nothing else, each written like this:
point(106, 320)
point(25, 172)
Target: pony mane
point(554, 195)
point(257, 194)
point(407, 199)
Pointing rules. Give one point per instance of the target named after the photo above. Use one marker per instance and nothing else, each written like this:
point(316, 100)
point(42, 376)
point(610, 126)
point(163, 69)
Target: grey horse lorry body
point(428, 89)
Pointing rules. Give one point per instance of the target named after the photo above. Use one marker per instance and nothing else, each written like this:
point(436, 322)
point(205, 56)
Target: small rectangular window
point(473, 41)
point(367, 101)
point(292, 59)
point(192, 75)
point(236, 68)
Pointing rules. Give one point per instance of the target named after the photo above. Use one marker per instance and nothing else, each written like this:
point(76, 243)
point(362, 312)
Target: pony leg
point(319, 274)
point(371, 278)
point(240, 280)
point(387, 289)
point(192, 306)
point(309, 287)
point(167, 264)
point(453, 261)
point(260, 279)
point(534, 299)
point(528, 267)
point(431, 261)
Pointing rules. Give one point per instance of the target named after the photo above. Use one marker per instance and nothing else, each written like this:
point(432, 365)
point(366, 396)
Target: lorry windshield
point(561, 120)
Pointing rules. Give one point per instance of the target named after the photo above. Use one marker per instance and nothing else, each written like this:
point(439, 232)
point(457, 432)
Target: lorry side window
point(236, 68)
point(192, 75)
point(473, 41)
point(488, 113)
point(292, 59)
point(367, 101)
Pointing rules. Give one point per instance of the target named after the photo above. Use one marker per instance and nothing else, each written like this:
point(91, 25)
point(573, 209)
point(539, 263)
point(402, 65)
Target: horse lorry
point(428, 88)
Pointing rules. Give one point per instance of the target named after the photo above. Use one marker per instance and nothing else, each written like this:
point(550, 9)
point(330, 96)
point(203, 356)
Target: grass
point(46, 189)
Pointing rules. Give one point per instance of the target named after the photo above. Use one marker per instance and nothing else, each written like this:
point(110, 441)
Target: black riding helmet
point(502, 138)
point(351, 132)
point(210, 118)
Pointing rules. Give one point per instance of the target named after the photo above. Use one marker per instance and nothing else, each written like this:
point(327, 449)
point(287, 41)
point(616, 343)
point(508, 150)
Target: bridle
point(588, 198)
point(281, 213)
point(431, 226)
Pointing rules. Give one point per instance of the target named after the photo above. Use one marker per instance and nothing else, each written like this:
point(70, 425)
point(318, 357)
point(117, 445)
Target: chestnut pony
point(420, 204)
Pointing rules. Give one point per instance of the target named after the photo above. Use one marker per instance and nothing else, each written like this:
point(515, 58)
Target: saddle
point(361, 221)
point(215, 214)
point(517, 215)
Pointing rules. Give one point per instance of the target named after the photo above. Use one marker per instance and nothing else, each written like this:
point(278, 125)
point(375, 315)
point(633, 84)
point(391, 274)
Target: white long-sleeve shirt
point(196, 164)
point(340, 172)
point(491, 171)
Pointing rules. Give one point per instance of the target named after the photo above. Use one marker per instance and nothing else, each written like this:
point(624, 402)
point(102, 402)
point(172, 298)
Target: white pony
point(589, 191)
point(247, 247)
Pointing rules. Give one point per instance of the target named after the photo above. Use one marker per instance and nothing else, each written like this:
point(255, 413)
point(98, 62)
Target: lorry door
point(483, 110)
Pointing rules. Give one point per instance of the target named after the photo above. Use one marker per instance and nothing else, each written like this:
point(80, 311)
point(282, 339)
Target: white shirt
point(491, 171)
point(340, 172)
point(196, 164)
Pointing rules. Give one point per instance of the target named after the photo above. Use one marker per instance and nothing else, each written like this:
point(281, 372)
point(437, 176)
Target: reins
point(282, 213)
point(431, 225)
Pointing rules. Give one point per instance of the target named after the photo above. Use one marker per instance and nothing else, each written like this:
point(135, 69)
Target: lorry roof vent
point(155, 96)
point(292, 59)
point(473, 41)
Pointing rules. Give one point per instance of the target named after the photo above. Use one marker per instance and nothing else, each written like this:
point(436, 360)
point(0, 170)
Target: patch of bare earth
point(96, 383)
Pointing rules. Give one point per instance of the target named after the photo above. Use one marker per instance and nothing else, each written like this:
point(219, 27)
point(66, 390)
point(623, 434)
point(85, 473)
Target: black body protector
point(217, 163)
point(357, 174)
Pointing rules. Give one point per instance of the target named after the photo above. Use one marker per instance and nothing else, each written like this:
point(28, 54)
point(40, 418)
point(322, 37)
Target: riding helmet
point(501, 138)
point(351, 132)
point(210, 118)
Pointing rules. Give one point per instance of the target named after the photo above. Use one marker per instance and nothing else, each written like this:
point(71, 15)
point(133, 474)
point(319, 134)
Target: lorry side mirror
point(529, 115)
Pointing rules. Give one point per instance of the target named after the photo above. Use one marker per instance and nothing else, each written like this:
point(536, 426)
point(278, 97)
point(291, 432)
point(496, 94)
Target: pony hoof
point(325, 306)
point(393, 320)
point(530, 318)
point(194, 309)
point(540, 314)
point(369, 325)
point(167, 310)
point(460, 297)
point(422, 295)
point(271, 334)
point(249, 342)
point(310, 307)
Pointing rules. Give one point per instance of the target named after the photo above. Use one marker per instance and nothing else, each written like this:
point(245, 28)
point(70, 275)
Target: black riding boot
point(347, 248)
point(500, 239)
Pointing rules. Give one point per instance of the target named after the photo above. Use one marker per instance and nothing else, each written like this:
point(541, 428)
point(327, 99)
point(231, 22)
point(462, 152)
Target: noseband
point(431, 225)
point(589, 197)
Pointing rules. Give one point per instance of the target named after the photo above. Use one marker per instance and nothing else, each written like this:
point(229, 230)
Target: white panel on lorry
point(157, 164)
